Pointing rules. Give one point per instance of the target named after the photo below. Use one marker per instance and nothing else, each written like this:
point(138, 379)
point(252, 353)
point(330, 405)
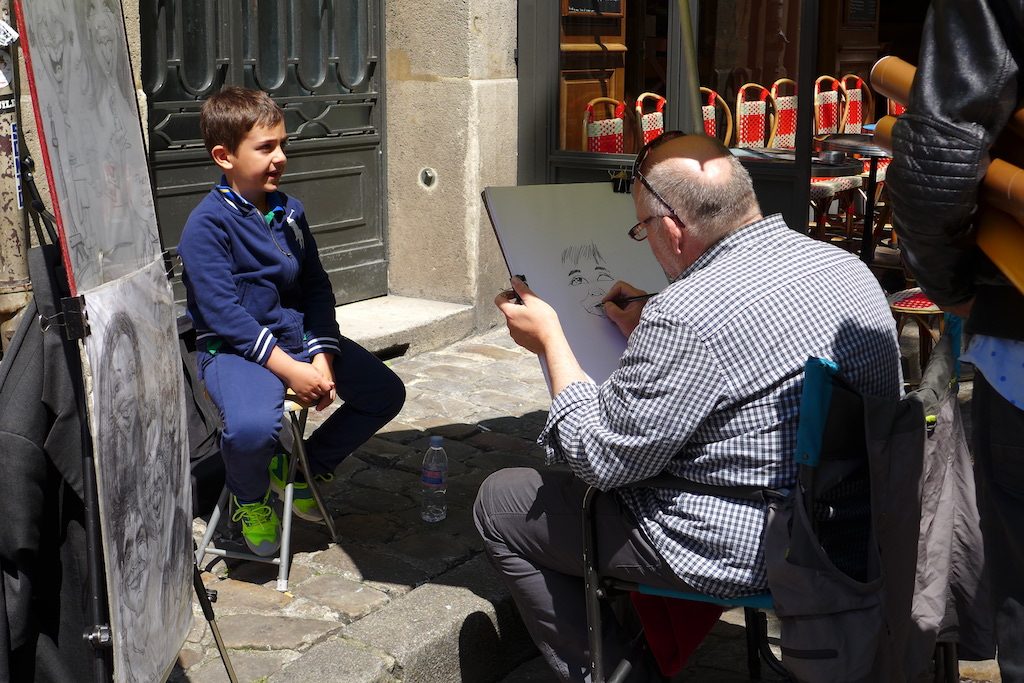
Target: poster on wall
point(141, 452)
point(571, 243)
point(89, 128)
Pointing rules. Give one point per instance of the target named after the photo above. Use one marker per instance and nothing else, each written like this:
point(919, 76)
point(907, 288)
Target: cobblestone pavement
point(397, 599)
point(488, 399)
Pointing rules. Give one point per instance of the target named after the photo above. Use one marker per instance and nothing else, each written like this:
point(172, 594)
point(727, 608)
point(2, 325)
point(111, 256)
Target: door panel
point(321, 61)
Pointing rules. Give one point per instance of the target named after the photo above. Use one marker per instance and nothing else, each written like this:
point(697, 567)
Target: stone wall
point(451, 93)
point(451, 107)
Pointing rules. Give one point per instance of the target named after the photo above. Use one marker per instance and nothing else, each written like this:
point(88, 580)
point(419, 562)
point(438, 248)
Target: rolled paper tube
point(1016, 123)
point(1003, 188)
point(1002, 239)
point(892, 77)
point(883, 132)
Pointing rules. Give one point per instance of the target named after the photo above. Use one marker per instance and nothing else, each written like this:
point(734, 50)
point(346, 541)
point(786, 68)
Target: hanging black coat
point(42, 537)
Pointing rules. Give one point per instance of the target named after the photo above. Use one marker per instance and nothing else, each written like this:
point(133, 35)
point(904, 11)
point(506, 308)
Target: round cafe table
point(820, 168)
point(862, 144)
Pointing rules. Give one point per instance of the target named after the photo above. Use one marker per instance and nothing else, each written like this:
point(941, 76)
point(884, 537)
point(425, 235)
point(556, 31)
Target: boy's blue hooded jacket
point(256, 282)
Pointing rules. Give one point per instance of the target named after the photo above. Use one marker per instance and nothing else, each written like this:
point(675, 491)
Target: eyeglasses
point(639, 231)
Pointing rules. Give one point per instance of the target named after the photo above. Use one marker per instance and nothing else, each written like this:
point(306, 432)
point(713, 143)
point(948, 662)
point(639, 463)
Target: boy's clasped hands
point(312, 383)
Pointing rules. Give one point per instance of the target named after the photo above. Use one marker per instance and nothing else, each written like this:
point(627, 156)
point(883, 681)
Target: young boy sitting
point(263, 311)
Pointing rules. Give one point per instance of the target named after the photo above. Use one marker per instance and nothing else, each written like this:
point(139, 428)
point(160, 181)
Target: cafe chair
point(825, 192)
point(754, 116)
point(829, 105)
point(605, 135)
point(651, 124)
point(716, 115)
point(783, 92)
point(860, 104)
point(913, 305)
point(860, 107)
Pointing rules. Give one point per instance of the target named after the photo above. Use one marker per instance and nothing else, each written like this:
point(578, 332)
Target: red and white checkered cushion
point(751, 124)
point(821, 191)
point(653, 125)
point(785, 130)
point(913, 299)
point(840, 183)
point(854, 111)
point(883, 163)
point(605, 136)
point(827, 103)
point(709, 115)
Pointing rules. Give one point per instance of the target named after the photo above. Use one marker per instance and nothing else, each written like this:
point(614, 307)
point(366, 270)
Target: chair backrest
point(604, 135)
point(847, 535)
point(860, 103)
point(754, 115)
point(713, 106)
point(784, 95)
point(828, 105)
point(894, 108)
point(651, 124)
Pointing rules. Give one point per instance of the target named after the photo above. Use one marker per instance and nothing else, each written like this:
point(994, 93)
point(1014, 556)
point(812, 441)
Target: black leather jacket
point(967, 85)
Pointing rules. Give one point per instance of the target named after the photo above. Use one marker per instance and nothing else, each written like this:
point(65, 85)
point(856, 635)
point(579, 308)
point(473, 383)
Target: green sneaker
point(261, 528)
point(303, 503)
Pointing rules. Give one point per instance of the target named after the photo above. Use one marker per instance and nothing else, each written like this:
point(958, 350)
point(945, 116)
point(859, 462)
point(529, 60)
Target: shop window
point(615, 71)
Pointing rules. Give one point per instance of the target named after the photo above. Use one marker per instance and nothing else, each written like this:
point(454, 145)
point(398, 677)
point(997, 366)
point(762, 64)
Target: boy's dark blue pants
point(251, 399)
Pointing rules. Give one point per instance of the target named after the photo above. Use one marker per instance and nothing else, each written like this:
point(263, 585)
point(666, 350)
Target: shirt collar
point(751, 232)
point(244, 206)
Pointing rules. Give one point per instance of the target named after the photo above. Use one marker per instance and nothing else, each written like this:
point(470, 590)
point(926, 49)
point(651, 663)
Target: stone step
point(397, 325)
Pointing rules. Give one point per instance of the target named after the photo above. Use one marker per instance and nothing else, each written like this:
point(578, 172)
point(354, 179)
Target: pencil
point(621, 302)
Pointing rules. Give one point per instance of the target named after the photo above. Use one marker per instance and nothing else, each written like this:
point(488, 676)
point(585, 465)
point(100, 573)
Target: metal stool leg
point(211, 526)
point(298, 424)
point(286, 529)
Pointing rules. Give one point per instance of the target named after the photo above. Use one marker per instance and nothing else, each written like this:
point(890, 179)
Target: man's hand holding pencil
point(623, 304)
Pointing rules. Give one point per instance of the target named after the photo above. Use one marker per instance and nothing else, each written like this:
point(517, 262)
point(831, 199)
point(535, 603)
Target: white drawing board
point(93, 151)
point(570, 242)
point(142, 470)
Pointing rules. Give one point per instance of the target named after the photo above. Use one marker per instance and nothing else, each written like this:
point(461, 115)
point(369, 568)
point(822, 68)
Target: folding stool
point(297, 414)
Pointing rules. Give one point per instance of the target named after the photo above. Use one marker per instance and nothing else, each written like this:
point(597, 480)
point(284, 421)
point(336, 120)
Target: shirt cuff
point(315, 345)
point(261, 350)
point(563, 418)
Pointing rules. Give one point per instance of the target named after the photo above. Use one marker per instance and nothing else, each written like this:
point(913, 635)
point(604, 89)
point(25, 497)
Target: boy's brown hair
point(228, 115)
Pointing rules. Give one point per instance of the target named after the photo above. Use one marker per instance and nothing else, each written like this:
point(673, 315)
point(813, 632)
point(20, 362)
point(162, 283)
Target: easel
point(70, 318)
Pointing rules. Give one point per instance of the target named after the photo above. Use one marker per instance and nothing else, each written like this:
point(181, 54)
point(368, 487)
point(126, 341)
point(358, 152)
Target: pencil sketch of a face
point(121, 392)
point(587, 276)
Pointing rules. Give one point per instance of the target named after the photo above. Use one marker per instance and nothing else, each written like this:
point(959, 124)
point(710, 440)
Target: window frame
point(781, 187)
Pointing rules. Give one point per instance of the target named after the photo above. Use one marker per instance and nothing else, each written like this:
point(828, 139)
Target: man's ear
point(221, 157)
point(673, 227)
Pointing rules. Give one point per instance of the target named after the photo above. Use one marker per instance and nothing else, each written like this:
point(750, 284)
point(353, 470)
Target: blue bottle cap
point(436, 441)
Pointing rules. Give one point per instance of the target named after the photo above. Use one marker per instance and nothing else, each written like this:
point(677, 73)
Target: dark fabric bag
point(841, 548)
point(204, 427)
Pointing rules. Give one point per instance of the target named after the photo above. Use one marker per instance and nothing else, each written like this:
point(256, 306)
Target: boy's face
point(256, 167)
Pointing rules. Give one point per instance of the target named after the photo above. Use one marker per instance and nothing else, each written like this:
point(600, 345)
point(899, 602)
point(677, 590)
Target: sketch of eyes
point(605, 277)
point(578, 280)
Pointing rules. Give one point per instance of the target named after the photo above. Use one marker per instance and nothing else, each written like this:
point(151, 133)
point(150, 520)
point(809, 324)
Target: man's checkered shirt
point(709, 388)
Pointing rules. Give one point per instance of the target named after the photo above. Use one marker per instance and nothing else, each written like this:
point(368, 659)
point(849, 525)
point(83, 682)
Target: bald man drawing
point(707, 390)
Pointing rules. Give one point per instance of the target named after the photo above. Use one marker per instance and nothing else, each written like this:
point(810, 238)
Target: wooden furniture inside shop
point(848, 38)
point(593, 61)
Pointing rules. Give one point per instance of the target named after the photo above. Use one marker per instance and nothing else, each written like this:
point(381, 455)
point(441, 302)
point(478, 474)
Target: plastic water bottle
point(434, 477)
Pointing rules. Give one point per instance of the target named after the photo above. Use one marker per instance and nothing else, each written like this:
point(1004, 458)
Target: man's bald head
point(702, 181)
